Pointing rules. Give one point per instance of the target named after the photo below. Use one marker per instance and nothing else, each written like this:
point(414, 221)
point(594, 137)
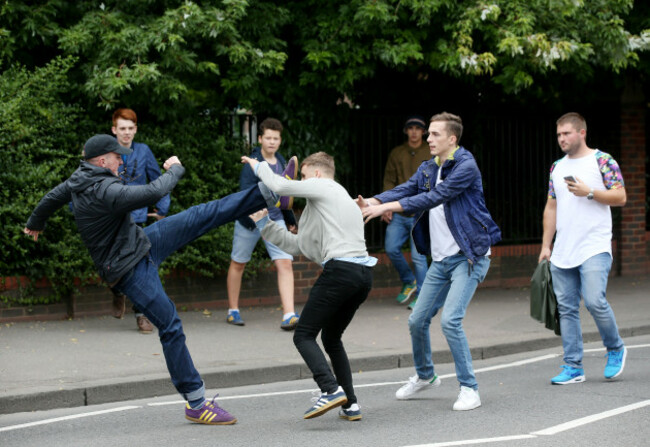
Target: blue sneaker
point(615, 363)
point(290, 323)
point(235, 318)
point(351, 414)
point(569, 375)
point(326, 402)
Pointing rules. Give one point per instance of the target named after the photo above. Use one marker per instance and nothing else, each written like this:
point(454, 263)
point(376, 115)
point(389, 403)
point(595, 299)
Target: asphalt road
point(520, 408)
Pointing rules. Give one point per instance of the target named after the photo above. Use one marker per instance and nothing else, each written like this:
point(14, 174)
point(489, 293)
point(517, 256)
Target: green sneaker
point(412, 303)
point(406, 292)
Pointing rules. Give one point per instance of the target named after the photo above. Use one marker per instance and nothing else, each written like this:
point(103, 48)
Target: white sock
point(288, 315)
point(232, 310)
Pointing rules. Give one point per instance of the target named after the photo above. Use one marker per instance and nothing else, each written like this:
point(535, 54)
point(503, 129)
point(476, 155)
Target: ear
point(114, 130)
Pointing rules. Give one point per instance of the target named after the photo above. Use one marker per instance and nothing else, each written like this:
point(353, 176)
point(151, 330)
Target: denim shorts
point(245, 240)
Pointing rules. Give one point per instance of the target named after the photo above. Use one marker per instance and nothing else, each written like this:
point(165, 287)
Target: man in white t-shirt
point(583, 186)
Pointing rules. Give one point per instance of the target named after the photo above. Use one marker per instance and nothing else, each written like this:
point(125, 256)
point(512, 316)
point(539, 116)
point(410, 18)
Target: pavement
point(88, 361)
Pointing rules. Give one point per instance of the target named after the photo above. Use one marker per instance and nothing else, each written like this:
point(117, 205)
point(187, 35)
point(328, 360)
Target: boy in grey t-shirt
point(331, 233)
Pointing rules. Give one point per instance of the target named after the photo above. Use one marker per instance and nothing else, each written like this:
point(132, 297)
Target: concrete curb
point(160, 385)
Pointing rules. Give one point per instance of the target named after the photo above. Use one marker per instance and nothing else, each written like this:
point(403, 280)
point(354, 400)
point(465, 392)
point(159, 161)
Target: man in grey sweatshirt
point(331, 233)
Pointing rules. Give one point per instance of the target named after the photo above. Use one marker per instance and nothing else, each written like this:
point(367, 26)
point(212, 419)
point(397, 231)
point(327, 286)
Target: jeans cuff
point(196, 394)
point(270, 197)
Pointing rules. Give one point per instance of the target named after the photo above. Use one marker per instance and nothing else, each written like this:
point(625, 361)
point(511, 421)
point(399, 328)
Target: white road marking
point(243, 396)
point(368, 385)
point(593, 418)
point(67, 418)
point(628, 347)
point(557, 429)
point(546, 432)
point(475, 441)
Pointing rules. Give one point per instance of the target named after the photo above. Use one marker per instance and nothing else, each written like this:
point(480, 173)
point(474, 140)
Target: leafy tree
point(170, 56)
point(183, 63)
point(514, 42)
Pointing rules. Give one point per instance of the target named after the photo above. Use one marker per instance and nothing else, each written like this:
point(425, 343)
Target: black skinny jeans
point(335, 297)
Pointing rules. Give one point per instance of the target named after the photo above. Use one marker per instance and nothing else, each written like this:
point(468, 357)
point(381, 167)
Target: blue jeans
point(397, 232)
point(142, 284)
point(450, 283)
point(588, 280)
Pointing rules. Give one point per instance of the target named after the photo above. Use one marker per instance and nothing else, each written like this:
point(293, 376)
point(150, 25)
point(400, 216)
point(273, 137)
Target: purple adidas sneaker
point(291, 173)
point(210, 413)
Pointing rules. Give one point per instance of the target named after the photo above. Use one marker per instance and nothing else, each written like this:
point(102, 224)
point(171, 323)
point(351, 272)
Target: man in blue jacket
point(454, 227)
point(139, 167)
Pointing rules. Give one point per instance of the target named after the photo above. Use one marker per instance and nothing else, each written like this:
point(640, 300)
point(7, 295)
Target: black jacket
point(102, 208)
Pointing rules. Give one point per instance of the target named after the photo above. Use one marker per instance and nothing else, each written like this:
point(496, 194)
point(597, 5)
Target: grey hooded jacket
point(102, 208)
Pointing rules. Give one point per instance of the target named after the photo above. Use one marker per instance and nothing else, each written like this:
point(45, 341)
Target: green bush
point(38, 137)
point(41, 136)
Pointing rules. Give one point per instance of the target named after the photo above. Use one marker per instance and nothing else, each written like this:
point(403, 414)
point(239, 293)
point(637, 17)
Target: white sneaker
point(415, 385)
point(468, 399)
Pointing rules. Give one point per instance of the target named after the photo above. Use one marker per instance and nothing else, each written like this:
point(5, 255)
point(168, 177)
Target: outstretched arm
point(372, 211)
point(127, 198)
point(52, 201)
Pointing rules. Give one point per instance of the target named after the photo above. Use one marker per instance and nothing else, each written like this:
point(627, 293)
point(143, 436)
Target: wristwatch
point(590, 196)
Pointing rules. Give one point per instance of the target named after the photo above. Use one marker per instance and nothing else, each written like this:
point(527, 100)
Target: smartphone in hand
point(570, 178)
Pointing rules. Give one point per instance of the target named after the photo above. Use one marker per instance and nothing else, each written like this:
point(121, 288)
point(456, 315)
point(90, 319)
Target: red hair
point(125, 114)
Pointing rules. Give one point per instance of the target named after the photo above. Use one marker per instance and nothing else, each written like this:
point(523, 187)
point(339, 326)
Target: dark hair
point(125, 114)
point(270, 124)
point(573, 118)
point(453, 123)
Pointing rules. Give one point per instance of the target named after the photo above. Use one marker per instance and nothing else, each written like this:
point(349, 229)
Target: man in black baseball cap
point(105, 152)
point(103, 144)
point(415, 121)
point(127, 256)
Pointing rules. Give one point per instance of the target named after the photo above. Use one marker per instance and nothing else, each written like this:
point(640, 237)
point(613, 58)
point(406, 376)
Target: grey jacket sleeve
point(52, 201)
point(277, 235)
point(125, 198)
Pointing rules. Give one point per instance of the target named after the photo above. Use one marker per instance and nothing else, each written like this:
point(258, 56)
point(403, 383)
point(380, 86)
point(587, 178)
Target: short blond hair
point(575, 119)
point(322, 161)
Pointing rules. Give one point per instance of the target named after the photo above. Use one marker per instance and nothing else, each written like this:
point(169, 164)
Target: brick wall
point(633, 245)
point(511, 266)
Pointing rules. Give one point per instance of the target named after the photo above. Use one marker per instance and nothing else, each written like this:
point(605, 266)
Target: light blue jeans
point(588, 280)
point(450, 283)
point(397, 232)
